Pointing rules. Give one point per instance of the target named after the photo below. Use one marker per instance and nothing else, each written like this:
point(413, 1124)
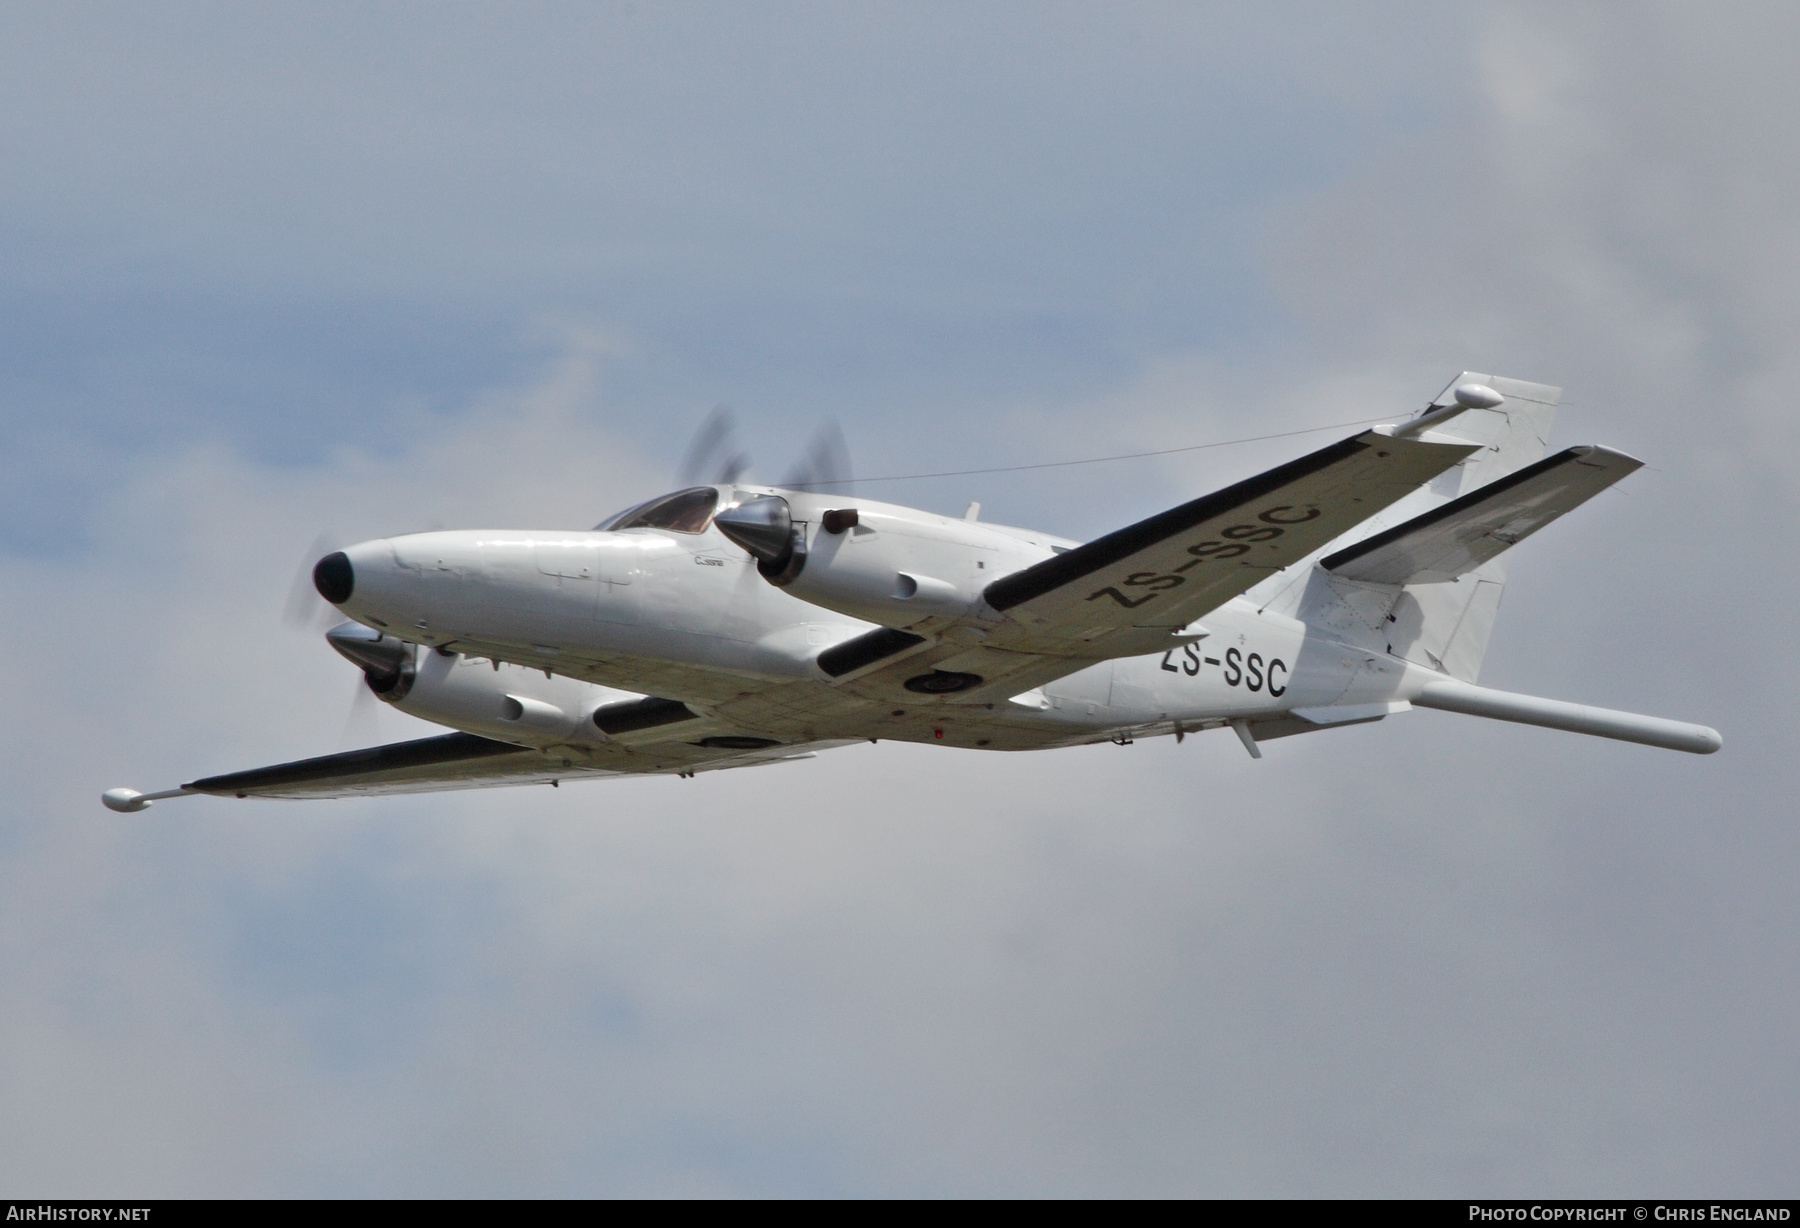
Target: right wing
point(1455, 539)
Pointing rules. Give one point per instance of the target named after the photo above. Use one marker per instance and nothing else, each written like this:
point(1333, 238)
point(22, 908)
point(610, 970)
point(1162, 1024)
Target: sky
point(275, 274)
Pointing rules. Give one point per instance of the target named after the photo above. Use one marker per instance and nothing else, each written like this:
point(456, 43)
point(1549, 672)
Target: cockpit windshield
point(685, 511)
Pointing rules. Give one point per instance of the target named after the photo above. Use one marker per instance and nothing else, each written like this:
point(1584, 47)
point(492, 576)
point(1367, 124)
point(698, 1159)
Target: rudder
point(1446, 626)
point(1442, 626)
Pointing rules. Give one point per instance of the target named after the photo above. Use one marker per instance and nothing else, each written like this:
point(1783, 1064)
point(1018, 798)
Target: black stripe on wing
point(1475, 499)
point(426, 752)
point(1053, 573)
point(647, 713)
point(866, 649)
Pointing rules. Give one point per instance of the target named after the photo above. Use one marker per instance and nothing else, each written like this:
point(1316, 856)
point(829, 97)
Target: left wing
point(1137, 586)
point(1130, 592)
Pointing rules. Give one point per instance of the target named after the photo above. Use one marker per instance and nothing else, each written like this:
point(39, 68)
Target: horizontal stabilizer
point(1474, 700)
point(1456, 538)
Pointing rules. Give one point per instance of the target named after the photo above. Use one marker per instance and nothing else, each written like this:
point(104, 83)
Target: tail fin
point(1446, 626)
point(1443, 626)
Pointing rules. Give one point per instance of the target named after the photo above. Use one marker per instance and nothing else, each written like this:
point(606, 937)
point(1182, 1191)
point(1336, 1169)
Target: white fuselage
point(535, 630)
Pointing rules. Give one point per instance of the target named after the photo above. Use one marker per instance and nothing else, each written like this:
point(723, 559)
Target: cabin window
point(685, 511)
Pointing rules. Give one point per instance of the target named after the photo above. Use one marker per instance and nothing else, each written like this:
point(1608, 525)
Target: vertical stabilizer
point(1516, 432)
point(1445, 626)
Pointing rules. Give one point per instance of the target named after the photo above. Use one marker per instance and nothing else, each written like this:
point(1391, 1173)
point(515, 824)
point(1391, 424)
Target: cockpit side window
point(685, 511)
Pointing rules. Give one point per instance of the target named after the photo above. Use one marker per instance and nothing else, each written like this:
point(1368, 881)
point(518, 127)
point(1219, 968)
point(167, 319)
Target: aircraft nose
point(334, 577)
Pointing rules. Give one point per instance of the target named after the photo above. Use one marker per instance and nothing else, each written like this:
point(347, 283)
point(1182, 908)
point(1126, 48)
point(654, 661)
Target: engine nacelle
point(509, 703)
point(890, 565)
point(389, 665)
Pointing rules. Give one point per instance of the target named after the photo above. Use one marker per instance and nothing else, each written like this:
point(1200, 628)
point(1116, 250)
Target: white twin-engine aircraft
point(731, 625)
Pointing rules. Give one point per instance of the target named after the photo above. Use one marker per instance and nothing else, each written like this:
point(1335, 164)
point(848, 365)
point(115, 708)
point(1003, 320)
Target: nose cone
point(334, 578)
point(763, 527)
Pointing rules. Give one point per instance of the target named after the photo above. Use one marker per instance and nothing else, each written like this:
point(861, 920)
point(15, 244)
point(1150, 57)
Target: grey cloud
point(557, 141)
